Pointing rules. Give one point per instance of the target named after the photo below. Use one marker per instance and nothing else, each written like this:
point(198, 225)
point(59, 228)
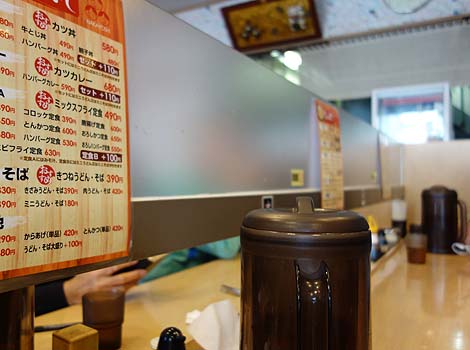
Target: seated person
point(186, 258)
point(58, 294)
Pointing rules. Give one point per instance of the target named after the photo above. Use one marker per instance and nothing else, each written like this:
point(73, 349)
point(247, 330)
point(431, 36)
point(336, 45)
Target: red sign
point(327, 114)
point(44, 100)
point(41, 20)
point(45, 174)
point(68, 6)
point(43, 66)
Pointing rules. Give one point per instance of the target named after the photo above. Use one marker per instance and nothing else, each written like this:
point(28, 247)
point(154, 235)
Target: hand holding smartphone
point(142, 264)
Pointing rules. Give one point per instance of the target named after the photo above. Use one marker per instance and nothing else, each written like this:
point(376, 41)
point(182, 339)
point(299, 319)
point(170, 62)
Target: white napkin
point(218, 327)
point(192, 316)
point(461, 248)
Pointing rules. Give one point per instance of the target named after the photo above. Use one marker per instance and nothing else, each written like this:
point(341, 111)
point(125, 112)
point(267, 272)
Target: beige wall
point(440, 163)
point(382, 213)
point(390, 158)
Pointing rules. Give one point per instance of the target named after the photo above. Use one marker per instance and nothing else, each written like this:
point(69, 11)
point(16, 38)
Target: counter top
point(416, 307)
point(155, 305)
point(421, 307)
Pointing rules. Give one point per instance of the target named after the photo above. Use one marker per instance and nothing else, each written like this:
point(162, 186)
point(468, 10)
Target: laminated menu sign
point(64, 169)
point(331, 158)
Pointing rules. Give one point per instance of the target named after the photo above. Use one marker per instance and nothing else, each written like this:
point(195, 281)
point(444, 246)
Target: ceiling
point(336, 17)
point(174, 6)
point(353, 69)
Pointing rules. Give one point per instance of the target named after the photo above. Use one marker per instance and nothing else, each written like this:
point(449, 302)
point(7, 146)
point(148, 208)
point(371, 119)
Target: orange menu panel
point(331, 158)
point(64, 167)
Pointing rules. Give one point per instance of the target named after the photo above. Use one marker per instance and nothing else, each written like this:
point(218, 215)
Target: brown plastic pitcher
point(441, 210)
point(305, 279)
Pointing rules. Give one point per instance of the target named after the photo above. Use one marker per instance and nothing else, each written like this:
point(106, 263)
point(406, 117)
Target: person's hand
point(99, 280)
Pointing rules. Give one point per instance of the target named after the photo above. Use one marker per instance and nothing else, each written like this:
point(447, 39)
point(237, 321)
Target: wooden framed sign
point(64, 167)
point(259, 26)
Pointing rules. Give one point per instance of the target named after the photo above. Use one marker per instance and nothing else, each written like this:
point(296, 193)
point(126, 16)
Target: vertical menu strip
point(331, 158)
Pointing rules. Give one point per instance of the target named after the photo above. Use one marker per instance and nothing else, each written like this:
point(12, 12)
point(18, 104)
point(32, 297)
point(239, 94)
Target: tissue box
point(77, 337)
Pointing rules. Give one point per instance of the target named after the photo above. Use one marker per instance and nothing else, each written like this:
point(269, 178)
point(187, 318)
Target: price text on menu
point(64, 169)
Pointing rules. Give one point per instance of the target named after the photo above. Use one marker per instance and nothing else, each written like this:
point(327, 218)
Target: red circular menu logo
point(43, 66)
point(41, 20)
point(44, 100)
point(45, 174)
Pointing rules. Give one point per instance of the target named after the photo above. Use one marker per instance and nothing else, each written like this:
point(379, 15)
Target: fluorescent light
point(275, 54)
point(291, 59)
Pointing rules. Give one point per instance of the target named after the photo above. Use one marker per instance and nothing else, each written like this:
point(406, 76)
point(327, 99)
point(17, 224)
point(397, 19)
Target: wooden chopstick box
point(77, 337)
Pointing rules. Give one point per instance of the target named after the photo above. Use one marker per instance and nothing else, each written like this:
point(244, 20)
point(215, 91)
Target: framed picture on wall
point(260, 26)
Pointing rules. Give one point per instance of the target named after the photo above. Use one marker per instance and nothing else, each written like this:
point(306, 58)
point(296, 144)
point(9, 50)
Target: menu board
point(64, 169)
point(331, 158)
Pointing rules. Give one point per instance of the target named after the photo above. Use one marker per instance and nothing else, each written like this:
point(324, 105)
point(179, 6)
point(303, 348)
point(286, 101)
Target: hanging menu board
point(331, 158)
point(64, 171)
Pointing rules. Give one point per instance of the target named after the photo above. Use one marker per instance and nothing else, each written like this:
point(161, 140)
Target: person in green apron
point(186, 258)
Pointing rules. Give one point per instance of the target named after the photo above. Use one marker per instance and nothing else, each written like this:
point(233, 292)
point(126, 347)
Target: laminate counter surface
point(153, 306)
point(415, 307)
point(421, 307)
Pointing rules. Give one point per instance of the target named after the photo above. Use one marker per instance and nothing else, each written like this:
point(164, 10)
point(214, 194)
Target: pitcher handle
point(313, 306)
point(463, 221)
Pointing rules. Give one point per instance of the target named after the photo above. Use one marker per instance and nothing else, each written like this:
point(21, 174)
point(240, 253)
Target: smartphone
point(143, 264)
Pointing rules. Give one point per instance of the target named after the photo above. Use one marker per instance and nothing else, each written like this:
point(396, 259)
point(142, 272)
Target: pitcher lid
point(305, 218)
point(439, 191)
